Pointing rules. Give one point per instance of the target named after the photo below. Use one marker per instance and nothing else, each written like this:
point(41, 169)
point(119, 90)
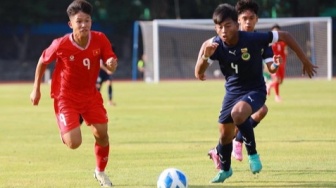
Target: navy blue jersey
point(242, 64)
point(267, 54)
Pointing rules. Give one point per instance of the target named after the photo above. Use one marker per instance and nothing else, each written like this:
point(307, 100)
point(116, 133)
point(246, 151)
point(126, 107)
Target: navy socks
point(239, 136)
point(224, 153)
point(247, 132)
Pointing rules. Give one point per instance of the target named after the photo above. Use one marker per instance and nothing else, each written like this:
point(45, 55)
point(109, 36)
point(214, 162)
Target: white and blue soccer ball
point(172, 178)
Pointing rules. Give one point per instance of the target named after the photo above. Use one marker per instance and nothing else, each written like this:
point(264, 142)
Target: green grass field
point(171, 124)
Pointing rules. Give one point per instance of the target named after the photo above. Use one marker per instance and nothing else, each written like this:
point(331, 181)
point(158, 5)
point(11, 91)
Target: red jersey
point(77, 68)
point(279, 48)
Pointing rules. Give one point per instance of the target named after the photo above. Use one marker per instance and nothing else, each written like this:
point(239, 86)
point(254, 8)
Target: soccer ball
point(172, 178)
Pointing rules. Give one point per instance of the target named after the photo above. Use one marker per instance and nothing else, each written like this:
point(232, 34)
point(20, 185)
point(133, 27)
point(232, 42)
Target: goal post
point(171, 46)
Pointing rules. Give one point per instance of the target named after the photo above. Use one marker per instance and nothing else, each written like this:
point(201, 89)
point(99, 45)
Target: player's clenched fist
point(35, 97)
point(112, 64)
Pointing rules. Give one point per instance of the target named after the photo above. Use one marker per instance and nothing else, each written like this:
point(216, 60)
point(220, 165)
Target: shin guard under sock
point(102, 154)
point(246, 130)
point(224, 153)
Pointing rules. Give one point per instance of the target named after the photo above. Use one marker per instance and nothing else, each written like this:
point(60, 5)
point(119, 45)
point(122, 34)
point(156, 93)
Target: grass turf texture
point(171, 124)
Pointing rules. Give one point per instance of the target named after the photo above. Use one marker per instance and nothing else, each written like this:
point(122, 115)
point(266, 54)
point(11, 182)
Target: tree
point(17, 20)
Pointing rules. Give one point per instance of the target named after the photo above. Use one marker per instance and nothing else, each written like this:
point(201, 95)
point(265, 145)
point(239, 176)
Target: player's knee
point(260, 114)
point(263, 111)
point(73, 144)
point(238, 118)
point(101, 137)
point(240, 112)
point(72, 138)
point(102, 140)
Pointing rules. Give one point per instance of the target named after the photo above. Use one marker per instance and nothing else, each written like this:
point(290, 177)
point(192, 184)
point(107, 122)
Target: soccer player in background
point(279, 48)
point(73, 86)
point(248, 18)
point(141, 67)
point(106, 76)
point(239, 56)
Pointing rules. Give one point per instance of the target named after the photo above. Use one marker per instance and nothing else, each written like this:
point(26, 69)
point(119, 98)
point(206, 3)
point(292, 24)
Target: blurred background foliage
point(28, 26)
point(32, 12)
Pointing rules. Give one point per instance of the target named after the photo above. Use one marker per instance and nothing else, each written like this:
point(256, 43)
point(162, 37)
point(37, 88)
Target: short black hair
point(276, 26)
point(223, 12)
point(243, 5)
point(79, 6)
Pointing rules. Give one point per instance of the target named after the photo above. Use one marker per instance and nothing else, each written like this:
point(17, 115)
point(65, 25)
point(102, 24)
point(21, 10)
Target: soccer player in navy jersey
point(239, 56)
point(73, 86)
point(247, 18)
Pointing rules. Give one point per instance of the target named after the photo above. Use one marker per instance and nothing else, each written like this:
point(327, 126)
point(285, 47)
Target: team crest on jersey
point(72, 58)
point(96, 52)
point(245, 55)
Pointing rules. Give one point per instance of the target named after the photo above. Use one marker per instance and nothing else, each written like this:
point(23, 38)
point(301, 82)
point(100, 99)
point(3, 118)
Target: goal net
point(171, 46)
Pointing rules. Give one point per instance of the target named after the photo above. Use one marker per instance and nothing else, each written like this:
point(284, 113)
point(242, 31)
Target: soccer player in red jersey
point(73, 86)
point(279, 48)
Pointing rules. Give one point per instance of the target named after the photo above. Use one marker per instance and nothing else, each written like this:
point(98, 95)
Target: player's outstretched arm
point(35, 95)
point(308, 68)
point(201, 64)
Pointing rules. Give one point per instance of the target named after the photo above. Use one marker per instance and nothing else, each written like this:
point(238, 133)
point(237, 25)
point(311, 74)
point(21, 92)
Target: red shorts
point(67, 111)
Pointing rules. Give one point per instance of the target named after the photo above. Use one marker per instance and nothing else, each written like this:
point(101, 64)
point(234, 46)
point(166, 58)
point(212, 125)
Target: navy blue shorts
point(103, 76)
point(256, 99)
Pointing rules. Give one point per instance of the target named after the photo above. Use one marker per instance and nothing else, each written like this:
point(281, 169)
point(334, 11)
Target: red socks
point(102, 154)
point(276, 88)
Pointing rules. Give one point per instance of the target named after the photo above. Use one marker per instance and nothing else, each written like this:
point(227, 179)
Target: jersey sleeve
point(213, 59)
point(107, 51)
point(275, 37)
point(49, 54)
